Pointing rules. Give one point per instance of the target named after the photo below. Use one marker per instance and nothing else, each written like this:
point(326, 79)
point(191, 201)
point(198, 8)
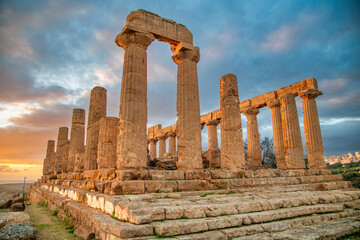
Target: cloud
point(7, 169)
point(331, 85)
point(334, 121)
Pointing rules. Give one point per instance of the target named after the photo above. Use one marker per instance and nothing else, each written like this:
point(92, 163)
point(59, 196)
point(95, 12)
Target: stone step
point(145, 208)
point(332, 229)
point(329, 225)
point(187, 226)
point(177, 184)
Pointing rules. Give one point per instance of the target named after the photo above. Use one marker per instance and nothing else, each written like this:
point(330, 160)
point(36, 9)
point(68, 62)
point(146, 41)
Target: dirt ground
point(49, 227)
point(15, 187)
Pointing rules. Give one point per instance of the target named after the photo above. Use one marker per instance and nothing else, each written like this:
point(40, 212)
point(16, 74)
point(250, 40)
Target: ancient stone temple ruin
point(116, 185)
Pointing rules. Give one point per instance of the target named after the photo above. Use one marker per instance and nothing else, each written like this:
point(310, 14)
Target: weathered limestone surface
point(212, 134)
point(163, 29)
point(79, 162)
point(313, 138)
point(61, 146)
point(153, 148)
point(188, 129)
point(107, 142)
point(97, 110)
point(162, 145)
point(277, 133)
point(77, 137)
point(49, 158)
point(172, 143)
point(253, 138)
point(132, 142)
point(232, 146)
point(294, 154)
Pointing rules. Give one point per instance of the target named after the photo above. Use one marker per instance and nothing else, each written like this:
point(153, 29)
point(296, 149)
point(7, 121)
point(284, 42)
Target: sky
point(52, 53)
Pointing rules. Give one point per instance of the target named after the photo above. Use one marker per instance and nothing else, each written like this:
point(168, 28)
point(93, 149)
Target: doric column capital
point(212, 122)
point(182, 54)
point(128, 38)
point(161, 137)
point(153, 140)
point(171, 134)
point(250, 111)
point(309, 94)
point(273, 104)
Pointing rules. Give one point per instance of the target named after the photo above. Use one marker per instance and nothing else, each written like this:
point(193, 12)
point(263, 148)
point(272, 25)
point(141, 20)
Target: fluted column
point(277, 133)
point(77, 137)
point(172, 143)
point(153, 148)
point(107, 142)
point(232, 146)
point(188, 130)
point(97, 110)
point(212, 134)
point(254, 150)
point(294, 153)
point(162, 145)
point(313, 138)
point(61, 146)
point(49, 158)
point(132, 140)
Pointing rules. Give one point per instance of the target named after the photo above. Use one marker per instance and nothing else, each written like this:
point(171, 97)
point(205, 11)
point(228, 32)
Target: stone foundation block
point(174, 175)
point(221, 183)
point(133, 187)
point(249, 174)
point(91, 175)
point(194, 185)
point(197, 174)
point(160, 186)
point(218, 174)
point(124, 175)
point(115, 188)
point(107, 174)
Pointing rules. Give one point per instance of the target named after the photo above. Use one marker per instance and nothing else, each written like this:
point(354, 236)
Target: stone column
point(277, 133)
point(107, 142)
point(132, 139)
point(212, 134)
point(188, 129)
point(172, 143)
point(232, 146)
point(77, 137)
point(162, 145)
point(79, 162)
point(294, 153)
point(313, 139)
point(49, 158)
point(253, 138)
point(60, 149)
point(97, 110)
point(152, 148)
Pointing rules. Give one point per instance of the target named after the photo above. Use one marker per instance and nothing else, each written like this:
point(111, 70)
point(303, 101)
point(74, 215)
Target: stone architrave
point(162, 145)
point(153, 148)
point(293, 148)
point(188, 125)
point(61, 146)
point(132, 141)
point(274, 105)
point(77, 137)
point(232, 146)
point(172, 143)
point(253, 138)
point(107, 142)
point(49, 158)
point(313, 139)
point(97, 110)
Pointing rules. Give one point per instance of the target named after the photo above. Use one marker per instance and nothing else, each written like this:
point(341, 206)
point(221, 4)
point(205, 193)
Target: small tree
point(267, 152)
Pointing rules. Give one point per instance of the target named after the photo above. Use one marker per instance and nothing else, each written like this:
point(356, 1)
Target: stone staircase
point(272, 212)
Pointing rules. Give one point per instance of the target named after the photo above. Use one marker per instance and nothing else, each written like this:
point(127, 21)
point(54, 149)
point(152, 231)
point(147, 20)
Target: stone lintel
point(163, 29)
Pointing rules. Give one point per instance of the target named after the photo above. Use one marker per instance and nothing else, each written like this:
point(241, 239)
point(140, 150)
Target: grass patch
point(177, 205)
point(206, 194)
point(42, 226)
point(183, 217)
point(352, 236)
point(161, 236)
point(55, 212)
point(349, 171)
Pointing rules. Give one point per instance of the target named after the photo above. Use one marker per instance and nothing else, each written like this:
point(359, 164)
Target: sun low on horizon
point(52, 53)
